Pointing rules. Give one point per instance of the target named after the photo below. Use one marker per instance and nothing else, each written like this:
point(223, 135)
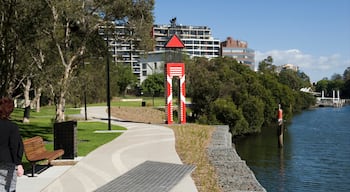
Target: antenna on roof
point(173, 22)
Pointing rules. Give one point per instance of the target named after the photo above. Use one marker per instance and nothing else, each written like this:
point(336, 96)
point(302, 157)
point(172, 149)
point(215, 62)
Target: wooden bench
point(35, 151)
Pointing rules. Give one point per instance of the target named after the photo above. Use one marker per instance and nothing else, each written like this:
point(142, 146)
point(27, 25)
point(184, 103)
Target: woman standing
point(11, 148)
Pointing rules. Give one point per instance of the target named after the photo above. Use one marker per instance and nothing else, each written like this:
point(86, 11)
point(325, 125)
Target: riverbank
point(233, 172)
point(218, 166)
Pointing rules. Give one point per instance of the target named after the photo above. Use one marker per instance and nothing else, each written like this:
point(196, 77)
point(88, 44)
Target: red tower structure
point(175, 69)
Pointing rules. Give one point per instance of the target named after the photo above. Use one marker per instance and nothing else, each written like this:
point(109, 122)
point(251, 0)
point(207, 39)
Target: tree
point(154, 85)
point(10, 23)
point(346, 74)
point(74, 23)
point(124, 78)
point(226, 92)
point(253, 112)
point(346, 89)
point(289, 78)
point(266, 65)
point(322, 85)
point(226, 112)
point(336, 76)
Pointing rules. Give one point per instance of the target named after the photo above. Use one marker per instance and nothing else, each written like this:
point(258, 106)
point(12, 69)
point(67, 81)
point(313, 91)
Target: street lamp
point(108, 84)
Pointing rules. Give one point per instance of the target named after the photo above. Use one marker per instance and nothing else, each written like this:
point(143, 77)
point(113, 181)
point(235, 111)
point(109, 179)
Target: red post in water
point(280, 126)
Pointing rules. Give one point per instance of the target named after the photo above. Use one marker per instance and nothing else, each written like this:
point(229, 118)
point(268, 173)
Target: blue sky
point(313, 34)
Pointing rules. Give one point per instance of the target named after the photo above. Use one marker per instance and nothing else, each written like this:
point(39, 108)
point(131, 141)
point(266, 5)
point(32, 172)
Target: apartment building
point(238, 50)
point(287, 66)
point(122, 47)
point(198, 40)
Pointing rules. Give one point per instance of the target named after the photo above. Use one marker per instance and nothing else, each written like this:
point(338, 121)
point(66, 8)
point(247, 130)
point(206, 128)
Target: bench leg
point(33, 169)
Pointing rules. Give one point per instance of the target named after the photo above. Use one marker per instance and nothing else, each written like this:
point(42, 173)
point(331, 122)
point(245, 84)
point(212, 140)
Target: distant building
point(238, 50)
point(151, 63)
point(198, 40)
point(287, 66)
point(122, 47)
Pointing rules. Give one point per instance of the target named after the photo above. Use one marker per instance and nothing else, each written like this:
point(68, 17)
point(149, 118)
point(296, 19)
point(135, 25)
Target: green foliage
point(226, 112)
point(253, 112)
point(154, 85)
point(224, 91)
point(123, 78)
point(46, 43)
point(337, 82)
point(293, 79)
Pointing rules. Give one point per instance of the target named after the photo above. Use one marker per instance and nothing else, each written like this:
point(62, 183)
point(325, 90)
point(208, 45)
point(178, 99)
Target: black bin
point(65, 137)
point(143, 103)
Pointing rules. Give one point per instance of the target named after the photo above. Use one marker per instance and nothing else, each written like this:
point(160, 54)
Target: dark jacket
point(11, 145)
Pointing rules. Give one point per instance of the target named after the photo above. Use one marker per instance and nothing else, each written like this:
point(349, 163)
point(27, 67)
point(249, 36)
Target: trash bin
point(65, 137)
point(143, 104)
point(26, 112)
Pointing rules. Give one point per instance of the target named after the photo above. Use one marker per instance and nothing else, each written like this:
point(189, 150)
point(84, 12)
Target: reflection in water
point(315, 156)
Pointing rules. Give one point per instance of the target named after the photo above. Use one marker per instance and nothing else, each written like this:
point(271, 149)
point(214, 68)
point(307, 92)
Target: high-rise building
point(238, 50)
point(198, 40)
point(120, 44)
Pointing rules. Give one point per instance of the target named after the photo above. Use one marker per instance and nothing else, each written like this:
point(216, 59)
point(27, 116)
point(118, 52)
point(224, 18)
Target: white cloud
point(315, 67)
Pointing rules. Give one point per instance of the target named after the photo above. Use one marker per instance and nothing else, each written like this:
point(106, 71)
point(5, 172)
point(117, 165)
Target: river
point(315, 156)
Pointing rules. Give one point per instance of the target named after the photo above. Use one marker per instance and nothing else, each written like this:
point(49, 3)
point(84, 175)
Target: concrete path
point(141, 142)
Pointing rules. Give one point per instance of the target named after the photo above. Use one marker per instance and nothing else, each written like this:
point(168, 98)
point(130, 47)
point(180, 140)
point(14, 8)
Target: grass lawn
point(41, 124)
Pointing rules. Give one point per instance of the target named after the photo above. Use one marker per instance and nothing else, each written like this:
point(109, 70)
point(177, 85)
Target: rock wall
point(233, 172)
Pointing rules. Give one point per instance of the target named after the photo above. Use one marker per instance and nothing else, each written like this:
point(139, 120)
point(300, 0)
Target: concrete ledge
point(61, 162)
point(110, 131)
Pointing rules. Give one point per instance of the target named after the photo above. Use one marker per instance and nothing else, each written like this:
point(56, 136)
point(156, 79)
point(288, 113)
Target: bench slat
point(35, 151)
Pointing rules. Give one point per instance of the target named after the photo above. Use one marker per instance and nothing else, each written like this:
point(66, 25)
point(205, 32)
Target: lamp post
point(85, 107)
point(108, 85)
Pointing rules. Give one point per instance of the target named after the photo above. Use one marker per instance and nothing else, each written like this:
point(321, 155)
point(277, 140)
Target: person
point(11, 148)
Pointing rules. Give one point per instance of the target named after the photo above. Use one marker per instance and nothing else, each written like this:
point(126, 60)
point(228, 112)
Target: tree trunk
point(36, 100)
point(60, 102)
point(27, 101)
point(60, 105)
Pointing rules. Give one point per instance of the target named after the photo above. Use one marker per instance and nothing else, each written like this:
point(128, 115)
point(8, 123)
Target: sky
point(312, 34)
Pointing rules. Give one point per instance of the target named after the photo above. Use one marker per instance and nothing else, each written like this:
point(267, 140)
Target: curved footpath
point(140, 143)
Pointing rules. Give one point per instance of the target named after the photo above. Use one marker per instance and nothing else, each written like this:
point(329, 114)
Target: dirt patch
point(139, 114)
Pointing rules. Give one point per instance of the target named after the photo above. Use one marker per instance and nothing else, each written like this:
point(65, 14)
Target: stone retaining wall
point(233, 172)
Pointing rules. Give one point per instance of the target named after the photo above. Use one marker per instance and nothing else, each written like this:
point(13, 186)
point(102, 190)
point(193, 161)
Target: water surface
point(315, 156)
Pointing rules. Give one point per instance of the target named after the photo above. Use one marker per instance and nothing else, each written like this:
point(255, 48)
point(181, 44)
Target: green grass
point(41, 124)
point(89, 141)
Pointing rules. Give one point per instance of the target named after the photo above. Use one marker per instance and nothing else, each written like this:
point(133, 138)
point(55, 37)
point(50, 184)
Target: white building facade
point(198, 40)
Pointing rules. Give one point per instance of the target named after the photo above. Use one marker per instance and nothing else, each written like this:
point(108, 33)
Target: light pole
point(85, 107)
point(108, 85)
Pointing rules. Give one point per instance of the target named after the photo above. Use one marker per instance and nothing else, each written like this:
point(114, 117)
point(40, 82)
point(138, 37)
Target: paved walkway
point(141, 142)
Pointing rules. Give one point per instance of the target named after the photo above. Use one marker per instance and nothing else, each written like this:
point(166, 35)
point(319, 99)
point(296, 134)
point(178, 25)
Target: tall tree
point(10, 23)
point(346, 74)
point(124, 78)
point(74, 23)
